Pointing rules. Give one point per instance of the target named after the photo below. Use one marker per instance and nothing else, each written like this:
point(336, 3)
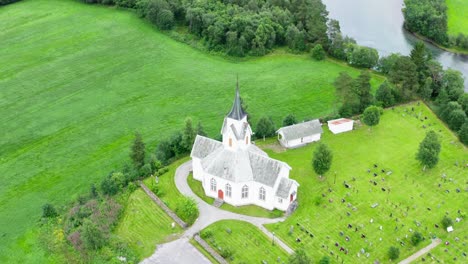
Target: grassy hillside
point(77, 80)
point(411, 200)
point(457, 12)
point(144, 224)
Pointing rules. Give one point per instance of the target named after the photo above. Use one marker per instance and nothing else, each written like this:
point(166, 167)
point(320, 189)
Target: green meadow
point(245, 242)
point(457, 12)
point(378, 210)
point(78, 80)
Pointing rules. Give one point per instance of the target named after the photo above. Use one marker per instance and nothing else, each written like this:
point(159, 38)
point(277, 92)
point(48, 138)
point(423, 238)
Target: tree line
point(429, 18)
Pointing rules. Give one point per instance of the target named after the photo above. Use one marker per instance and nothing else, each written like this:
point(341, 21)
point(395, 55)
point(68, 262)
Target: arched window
point(213, 185)
point(245, 192)
point(261, 195)
point(228, 190)
point(230, 142)
point(247, 140)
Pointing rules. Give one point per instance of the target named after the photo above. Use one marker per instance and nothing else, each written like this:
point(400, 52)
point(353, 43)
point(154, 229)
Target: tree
point(93, 192)
point(364, 57)
point(188, 137)
point(393, 253)
point(452, 82)
point(200, 130)
point(404, 76)
point(109, 186)
point(93, 238)
point(426, 90)
point(463, 102)
point(448, 109)
point(159, 13)
point(416, 238)
point(289, 120)
point(371, 116)
point(386, 63)
point(318, 52)
point(299, 257)
point(321, 162)
point(362, 89)
point(463, 133)
point(343, 85)
point(429, 149)
point(456, 119)
point(428, 18)
point(421, 55)
point(384, 94)
point(137, 153)
point(48, 211)
point(325, 260)
point(446, 222)
point(265, 127)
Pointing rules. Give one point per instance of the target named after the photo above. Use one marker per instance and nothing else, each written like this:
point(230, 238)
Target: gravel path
point(179, 251)
point(435, 243)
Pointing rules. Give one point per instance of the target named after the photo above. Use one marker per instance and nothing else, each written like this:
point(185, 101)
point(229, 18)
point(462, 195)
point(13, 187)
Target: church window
point(280, 200)
point(230, 142)
point(247, 140)
point(213, 185)
point(262, 194)
point(228, 190)
point(245, 192)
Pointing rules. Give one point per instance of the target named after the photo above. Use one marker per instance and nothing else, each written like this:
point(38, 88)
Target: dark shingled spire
point(236, 111)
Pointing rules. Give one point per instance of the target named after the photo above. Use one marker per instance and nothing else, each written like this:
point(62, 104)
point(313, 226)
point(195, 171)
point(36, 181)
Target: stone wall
point(163, 206)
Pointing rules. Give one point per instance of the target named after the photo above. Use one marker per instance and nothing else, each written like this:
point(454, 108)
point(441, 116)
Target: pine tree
point(189, 135)
point(137, 153)
point(322, 159)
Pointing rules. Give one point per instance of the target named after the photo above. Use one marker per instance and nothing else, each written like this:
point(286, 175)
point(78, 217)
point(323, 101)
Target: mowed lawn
point(144, 224)
point(457, 12)
point(381, 210)
point(77, 80)
point(246, 242)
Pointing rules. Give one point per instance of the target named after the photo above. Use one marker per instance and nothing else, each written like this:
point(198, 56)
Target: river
point(379, 24)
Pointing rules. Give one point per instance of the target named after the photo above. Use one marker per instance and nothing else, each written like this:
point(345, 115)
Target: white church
point(238, 172)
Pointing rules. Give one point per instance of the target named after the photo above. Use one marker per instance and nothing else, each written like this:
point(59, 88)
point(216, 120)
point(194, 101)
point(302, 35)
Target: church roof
point(284, 187)
point(240, 165)
point(301, 130)
point(203, 146)
point(237, 112)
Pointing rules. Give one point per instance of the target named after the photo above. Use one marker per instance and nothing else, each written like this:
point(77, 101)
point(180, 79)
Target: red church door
point(220, 194)
point(291, 198)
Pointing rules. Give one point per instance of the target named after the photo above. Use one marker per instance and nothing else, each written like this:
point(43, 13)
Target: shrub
point(206, 234)
point(416, 238)
point(289, 120)
point(187, 210)
point(324, 260)
point(318, 53)
point(226, 252)
point(109, 186)
point(393, 253)
point(48, 211)
point(446, 222)
point(92, 236)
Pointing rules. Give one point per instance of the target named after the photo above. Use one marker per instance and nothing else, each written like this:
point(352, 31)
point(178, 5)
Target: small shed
point(340, 125)
point(300, 134)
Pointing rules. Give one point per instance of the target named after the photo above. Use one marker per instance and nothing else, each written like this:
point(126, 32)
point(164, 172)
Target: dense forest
point(429, 18)
point(5, 2)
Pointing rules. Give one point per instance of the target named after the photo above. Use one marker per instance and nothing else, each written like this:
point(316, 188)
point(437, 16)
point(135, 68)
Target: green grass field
point(246, 242)
point(412, 200)
point(457, 12)
point(78, 80)
point(144, 224)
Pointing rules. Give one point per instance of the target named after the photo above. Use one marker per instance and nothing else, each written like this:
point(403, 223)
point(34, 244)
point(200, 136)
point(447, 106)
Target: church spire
point(237, 112)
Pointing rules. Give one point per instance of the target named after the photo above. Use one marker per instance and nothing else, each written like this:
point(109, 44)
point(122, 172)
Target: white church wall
point(197, 169)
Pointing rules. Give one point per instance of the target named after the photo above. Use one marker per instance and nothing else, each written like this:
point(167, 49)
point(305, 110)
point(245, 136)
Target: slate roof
point(241, 165)
point(284, 187)
point(301, 130)
point(203, 146)
point(237, 112)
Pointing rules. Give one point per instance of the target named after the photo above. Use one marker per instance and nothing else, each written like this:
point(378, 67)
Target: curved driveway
point(171, 252)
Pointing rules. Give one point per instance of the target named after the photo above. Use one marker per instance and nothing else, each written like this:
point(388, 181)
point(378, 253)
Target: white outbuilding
point(300, 134)
point(340, 125)
point(238, 172)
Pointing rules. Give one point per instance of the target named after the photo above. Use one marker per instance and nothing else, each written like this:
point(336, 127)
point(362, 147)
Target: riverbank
point(455, 50)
